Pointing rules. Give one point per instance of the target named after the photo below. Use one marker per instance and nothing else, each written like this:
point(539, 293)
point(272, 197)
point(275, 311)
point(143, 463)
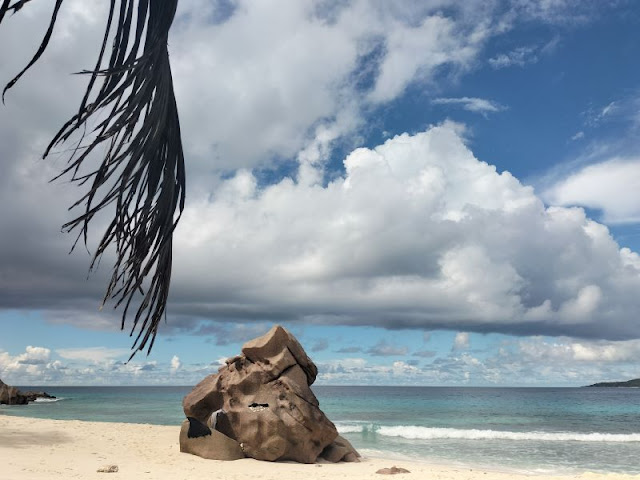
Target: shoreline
point(66, 449)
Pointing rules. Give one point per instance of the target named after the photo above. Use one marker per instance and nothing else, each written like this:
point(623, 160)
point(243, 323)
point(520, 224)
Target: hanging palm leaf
point(142, 175)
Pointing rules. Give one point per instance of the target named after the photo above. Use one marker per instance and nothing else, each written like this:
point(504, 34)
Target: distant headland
point(629, 383)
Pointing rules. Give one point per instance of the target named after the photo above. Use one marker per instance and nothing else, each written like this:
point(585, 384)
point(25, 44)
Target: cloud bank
point(417, 234)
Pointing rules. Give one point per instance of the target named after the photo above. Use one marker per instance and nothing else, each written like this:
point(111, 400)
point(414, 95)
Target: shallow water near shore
point(537, 430)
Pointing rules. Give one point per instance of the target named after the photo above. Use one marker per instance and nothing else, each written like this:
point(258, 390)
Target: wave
point(48, 400)
point(348, 428)
point(413, 432)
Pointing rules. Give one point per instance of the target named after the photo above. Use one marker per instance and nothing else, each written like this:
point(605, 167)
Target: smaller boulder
point(392, 471)
point(340, 450)
point(216, 446)
point(108, 469)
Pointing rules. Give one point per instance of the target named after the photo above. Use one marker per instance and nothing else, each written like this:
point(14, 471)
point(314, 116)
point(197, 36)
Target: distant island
point(630, 383)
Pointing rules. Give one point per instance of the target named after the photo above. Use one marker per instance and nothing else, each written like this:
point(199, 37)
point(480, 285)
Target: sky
point(426, 192)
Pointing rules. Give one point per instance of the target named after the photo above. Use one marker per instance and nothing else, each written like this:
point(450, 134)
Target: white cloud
point(34, 356)
point(93, 354)
point(567, 361)
point(556, 11)
point(277, 70)
point(519, 57)
point(451, 243)
point(461, 341)
point(608, 110)
point(526, 361)
point(612, 186)
point(175, 364)
point(578, 136)
point(595, 116)
point(273, 81)
point(472, 104)
point(34, 363)
point(524, 55)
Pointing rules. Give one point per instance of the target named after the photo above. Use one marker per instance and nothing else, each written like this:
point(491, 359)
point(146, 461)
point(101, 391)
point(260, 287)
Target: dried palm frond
point(142, 173)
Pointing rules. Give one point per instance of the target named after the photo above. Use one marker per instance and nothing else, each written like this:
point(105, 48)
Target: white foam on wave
point(353, 428)
point(47, 400)
point(413, 432)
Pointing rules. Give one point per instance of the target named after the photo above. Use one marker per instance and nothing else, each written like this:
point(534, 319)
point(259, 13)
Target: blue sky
point(425, 193)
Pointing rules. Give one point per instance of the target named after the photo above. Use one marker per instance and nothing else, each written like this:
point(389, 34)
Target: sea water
point(535, 430)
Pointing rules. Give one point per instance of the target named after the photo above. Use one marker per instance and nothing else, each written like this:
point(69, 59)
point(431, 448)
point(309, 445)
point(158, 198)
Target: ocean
point(534, 430)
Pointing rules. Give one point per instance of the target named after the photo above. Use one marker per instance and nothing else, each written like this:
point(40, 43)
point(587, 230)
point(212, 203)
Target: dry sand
point(32, 448)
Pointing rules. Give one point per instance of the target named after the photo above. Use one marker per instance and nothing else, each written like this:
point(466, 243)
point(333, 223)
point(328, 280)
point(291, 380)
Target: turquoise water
point(543, 430)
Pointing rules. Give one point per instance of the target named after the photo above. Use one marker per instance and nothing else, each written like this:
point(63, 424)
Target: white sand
point(52, 449)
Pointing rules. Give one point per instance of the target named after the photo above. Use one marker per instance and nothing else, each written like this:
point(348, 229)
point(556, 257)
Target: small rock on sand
point(108, 469)
point(392, 471)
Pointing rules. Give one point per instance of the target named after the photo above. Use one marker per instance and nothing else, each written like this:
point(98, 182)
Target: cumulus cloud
point(257, 83)
point(260, 65)
point(452, 370)
point(461, 341)
point(531, 361)
point(611, 186)
point(91, 366)
point(527, 361)
point(472, 104)
point(568, 351)
point(34, 362)
point(175, 364)
point(452, 243)
point(34, 356)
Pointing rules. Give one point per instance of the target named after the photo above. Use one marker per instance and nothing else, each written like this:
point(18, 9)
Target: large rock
point(11, 395)
point(262, 400)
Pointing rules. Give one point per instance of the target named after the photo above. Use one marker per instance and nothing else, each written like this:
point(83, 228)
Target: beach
point(33, 448)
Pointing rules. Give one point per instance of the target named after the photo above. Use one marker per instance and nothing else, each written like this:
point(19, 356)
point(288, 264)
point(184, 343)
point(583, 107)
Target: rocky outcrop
point(261, 399)
point(12, 396)
point(33, 396)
